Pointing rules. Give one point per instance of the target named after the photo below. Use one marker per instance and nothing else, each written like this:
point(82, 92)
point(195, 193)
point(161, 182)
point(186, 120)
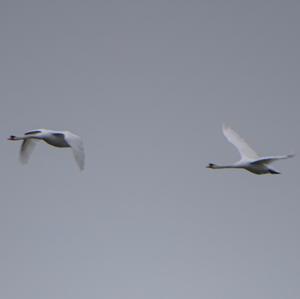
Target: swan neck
point(224, 166)
point(23, 137)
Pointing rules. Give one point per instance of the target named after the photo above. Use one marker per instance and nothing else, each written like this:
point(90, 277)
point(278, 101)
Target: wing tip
point(23, 160)
point(225, 127)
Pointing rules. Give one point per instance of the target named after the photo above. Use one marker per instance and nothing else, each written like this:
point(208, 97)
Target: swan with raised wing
point(250, 160)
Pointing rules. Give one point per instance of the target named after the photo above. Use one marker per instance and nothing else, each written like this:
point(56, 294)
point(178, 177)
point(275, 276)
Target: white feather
point(246, 152)
point(55, 138)
point(77, 147)
point(249, 158)
point(26, 149)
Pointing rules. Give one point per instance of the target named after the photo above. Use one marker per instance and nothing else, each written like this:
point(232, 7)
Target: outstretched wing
point(27, 148)
point(76, 144)
point(269, 160)
point(244, 149)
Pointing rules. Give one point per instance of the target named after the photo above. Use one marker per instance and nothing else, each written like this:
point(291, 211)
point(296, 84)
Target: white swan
point(55, 138)
point(249, 158)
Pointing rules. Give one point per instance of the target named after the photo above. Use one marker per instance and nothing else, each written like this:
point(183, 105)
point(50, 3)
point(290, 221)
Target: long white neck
point(224, 166)
point(21, 137)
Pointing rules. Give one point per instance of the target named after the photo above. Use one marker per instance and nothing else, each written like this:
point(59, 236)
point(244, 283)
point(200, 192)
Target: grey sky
point(148, 84)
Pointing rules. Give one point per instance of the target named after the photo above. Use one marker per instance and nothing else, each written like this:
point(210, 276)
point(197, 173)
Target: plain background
point(148, 84)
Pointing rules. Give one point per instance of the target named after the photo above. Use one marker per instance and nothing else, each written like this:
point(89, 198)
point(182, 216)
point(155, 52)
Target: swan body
point(55, 138)
point(250, 160)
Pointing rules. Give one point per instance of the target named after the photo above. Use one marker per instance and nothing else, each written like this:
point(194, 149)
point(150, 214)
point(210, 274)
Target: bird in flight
point(54, 138)
point(250, 160)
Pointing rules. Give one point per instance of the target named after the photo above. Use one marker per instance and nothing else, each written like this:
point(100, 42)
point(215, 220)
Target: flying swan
point(249, 158)
point(55, 138)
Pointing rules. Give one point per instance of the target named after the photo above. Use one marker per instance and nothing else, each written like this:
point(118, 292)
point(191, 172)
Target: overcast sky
point(148, 84)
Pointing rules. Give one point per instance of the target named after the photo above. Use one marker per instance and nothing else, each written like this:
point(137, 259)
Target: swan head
point(211, 165)
point(12, 137)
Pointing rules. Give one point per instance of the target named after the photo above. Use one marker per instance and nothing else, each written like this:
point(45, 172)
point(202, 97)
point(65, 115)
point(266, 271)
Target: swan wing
point(76, 144)
point(27, 148)
point(270, 159)
point(244, 149)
